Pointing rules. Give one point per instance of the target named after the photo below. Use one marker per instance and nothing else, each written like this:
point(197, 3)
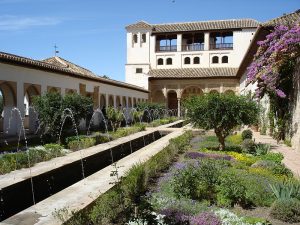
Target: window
point(215, 59)
point(169, 61)
point(160, 61)
point(196, 60)
point(225, 59)
point(187, 60)
point(143, 38)
point(139, 70)
point(134, 38)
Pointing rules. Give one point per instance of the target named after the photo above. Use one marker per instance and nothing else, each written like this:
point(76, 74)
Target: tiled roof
point(62, 66)
point(201, 25)
point(60, 62)
point(193, 72)
point(286, 19)
point(141, 24)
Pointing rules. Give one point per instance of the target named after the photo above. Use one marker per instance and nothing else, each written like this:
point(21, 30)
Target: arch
point(191, 91)
point(124, 102)
point(172, 100)
point(53, 90)
point(118, 101)
point(134, 102)
point(187, 60)
point(31, 91)
point(8, 94)
point(70, 91)
point(229, 92)
point(225, 59)
point(102, 101)
point(158, 96)
point(197, 60)
point(144, 38)
point(160, 61)
point(129, 102)
point(214, 92)
point(111, 101)
point(215, 59)
point(134, 38)
point(169, 61)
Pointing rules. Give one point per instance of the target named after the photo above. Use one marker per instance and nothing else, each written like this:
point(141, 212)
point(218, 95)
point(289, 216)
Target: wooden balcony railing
point(193, 47)
point(221, 46)
point(169, 48)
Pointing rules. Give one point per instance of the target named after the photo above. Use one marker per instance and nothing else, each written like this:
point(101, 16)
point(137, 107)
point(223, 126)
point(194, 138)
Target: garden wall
point(295, 126)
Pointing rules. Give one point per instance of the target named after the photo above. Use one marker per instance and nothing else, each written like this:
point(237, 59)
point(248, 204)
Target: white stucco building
point(179, 59)
point(22, 78)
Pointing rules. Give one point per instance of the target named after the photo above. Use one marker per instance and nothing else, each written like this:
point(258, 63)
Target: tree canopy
point(221, 112)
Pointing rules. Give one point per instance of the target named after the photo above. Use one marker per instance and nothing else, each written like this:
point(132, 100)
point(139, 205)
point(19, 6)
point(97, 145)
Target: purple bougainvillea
point(205, 218)
point(199, 155)
point(279, 47)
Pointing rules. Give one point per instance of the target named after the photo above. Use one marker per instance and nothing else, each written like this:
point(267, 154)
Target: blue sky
point(92, 33)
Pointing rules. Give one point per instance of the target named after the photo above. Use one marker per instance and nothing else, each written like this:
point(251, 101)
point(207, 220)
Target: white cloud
point(10, 23)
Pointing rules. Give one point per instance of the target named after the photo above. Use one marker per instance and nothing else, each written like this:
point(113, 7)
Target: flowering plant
point(278, 50)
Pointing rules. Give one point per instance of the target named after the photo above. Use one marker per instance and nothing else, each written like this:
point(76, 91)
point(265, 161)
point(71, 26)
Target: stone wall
point(295, 126)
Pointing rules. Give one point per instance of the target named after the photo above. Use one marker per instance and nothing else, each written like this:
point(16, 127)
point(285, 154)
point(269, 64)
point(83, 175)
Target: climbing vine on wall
point(272, 70)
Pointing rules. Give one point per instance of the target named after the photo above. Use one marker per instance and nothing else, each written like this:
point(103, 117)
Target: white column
point(206, 41)
point(106, 100)
point(179, 42)
point(20, 106)
point(178, 109)
point(115, 101)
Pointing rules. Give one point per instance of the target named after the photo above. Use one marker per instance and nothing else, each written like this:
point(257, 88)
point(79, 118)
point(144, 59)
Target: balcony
point(218, 46)
point(193, 47)
point(167, 48)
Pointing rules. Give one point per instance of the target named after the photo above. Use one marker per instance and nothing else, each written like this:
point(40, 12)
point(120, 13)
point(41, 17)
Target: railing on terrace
point(221, 46)
point(193, 47)
point(169, 48)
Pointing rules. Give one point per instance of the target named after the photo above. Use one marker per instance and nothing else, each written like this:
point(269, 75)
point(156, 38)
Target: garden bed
point(205, 186)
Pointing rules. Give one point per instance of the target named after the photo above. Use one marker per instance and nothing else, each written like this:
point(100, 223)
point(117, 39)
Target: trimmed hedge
point(127, 192)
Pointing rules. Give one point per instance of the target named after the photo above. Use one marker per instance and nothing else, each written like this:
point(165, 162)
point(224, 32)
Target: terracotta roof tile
point(200, 25)
point(193, 72)
point(287, 19)
point(62, 66)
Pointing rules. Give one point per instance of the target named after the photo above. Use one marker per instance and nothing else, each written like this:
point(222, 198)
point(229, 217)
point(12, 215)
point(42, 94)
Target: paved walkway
point(291, 156)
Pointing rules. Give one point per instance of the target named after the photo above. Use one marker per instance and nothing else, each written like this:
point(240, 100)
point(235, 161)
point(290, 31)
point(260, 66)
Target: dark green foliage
point(115, 117)
point(273, 167)
point(231, 189)
point(247, 134)
point(150, 106)
point(81, 143)
point(221, 112)
point(248, 146)
point(19, 160)
point(106, 208)
point(51, 106)
point(286, 189)
point(287, 210)
point(134, 184)
point(271, 156)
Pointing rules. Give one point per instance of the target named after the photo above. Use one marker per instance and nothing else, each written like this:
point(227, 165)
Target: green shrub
point(247, 134)
point(286, 189)
point(248, 146)
point(106, 208)
point(274, 168)
point(262, 149)
point(235, 139)
point(287, 210)
point(53, 150)
point(99, 139)
point(275, 157)
point(82, 143)
point(134, 184)
point(230, 189)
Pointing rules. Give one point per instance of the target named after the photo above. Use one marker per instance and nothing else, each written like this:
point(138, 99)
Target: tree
point(51, 106)
point(221, 112)
point(115, 117)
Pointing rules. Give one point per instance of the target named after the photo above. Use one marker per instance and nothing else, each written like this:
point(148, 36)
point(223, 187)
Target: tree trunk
point(221, 139)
